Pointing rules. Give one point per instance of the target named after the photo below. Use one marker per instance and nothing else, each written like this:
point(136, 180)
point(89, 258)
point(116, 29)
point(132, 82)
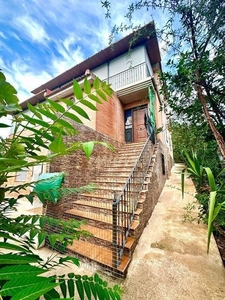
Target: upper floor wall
point(126, 69)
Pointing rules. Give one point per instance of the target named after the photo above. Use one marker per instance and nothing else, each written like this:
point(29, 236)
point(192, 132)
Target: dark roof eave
point(107, 54)
point(42, 95)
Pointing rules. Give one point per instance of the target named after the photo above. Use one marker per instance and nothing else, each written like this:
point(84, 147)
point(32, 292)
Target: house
point(130, 179)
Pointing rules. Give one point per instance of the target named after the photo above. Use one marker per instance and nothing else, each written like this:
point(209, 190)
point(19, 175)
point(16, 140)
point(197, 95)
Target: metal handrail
point(128, 76)
point(125, 204)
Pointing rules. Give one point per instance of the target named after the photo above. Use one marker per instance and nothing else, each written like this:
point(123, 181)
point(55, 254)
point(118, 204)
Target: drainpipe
point(157, 91)
point(108, 72)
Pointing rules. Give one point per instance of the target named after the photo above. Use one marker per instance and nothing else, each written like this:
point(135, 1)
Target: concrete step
point(99, 254)
point(106, 235)
point(100, 215)
point(102, 187)
point(123, 162)
point(117, 168)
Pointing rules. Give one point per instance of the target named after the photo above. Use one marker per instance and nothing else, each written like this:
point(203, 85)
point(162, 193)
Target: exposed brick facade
point(110, 119)
point(80, 171)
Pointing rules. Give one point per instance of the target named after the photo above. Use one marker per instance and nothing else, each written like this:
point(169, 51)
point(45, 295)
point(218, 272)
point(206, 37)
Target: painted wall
point(101, 72)
point(125, 61)
point(122, 63)
point(147, 61)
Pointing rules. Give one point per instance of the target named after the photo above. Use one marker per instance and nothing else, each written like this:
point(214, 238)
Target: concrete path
point(170, 261)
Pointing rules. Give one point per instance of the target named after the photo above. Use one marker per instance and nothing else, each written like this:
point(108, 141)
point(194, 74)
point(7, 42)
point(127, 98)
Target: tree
point(22, 271)
point(189, 138)
point(194, 38)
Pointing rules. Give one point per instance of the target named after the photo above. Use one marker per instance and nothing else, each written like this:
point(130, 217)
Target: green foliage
point(197, 139)
point(193, 81)
point(22, 273)
point(29, 282)
point(210, 193)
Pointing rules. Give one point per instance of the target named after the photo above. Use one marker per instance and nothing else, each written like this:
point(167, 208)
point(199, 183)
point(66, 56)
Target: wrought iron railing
point(125, 204)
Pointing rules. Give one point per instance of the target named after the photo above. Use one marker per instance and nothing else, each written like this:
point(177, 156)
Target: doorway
point(135, 130)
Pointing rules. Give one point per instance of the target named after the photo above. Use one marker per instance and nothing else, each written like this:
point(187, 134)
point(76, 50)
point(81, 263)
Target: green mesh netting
point(47, 186)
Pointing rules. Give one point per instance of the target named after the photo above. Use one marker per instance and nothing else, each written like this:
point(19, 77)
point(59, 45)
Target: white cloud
point(49, 37)
point(2, 35)
point(24, 79)
point(31, 29)
point(66, 60)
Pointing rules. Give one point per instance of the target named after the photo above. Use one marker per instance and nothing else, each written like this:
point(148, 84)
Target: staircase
point(112, 216)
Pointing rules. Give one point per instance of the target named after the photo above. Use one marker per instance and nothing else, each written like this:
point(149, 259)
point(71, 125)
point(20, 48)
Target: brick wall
point(155, 187)
point(110, 119)
point(78, 170)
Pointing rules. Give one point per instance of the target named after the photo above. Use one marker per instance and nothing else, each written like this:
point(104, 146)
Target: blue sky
point(40, 39)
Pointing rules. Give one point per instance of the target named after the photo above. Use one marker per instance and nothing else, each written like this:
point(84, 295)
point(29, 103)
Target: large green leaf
point(73, 117)
point(88, 148)
point(96, 83)
point(80, 288)
point(89, 104)
point(63, 286)
point(12, 161)
point(34, 291)
point(80, 111)
point(19, 283)
point(77, 90)
point(12, 271)
point(106, 88)
point(48, 114)
point(87, 289)
point(93, 290)
point(53, 294)
point(41, 237)
point(87, 87)
point(7, 236)
point(211, 179)
point(66, 124)
point(4, 245)
point(35, 121)
point(69, 259)
point(68, 102)
point(71, 288)
point(101, 94)
point(58, 146)
point(34, 110)
point(12, 259)
point(58, 107)
point(212, 201)
point(94, 98)
point(2, 125)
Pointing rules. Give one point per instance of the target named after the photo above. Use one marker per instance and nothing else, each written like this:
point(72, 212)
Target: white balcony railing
point(129, 76)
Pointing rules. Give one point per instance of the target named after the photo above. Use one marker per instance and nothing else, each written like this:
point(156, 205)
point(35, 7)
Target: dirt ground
point(170, 261)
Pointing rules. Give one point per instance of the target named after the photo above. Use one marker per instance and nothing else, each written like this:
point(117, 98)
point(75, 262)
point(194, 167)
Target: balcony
point(131, 84)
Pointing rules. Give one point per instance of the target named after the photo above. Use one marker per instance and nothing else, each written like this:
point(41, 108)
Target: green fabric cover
point(151, 95)
point(47, 186)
